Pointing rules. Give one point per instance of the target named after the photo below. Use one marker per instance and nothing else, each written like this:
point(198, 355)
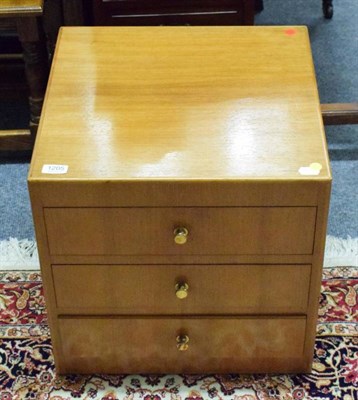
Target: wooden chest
point(180, 189)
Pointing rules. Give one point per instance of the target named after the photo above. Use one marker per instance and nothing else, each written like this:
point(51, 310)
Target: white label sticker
point(54, 169)
point(308, 171)
point(312, 169)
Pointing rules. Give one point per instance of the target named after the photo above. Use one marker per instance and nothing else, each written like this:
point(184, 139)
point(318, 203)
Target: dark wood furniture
point(340, 113)
point(26, 15)
point(173, 12)
point(327, 6)
point(59, 13)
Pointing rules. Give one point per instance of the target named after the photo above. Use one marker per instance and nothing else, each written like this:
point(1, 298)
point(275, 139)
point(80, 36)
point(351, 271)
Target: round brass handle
point(180, 235)
point(182, 342)
point(181, 290)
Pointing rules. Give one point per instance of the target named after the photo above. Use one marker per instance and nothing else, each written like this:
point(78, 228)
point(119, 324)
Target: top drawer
point(150, 231)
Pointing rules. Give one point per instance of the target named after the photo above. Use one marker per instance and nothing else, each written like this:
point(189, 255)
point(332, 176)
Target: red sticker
point(290, 32)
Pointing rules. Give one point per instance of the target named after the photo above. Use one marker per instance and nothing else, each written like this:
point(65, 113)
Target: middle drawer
point(181, 289)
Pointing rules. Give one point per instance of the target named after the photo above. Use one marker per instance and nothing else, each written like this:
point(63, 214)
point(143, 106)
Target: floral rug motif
point(27, 369)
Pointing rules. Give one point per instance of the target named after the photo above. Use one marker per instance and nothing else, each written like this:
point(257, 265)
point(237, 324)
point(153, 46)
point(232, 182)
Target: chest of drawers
point(180, 189)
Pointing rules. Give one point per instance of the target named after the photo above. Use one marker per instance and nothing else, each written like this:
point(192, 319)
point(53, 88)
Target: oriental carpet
point(27, 369)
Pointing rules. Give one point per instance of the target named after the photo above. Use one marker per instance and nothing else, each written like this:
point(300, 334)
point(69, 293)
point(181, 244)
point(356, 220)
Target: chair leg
point(327, 6)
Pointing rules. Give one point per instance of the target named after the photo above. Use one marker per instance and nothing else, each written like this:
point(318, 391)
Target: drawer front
point(175, 19)
point(211, 230)
point(146, 345)
point(185, 289)
point(172, 12)
point(167, 6)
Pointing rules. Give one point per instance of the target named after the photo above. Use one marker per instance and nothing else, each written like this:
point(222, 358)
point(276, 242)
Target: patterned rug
point(27, 369)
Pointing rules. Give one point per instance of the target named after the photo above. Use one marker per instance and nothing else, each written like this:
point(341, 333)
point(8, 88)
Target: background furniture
point(173, 12)
point(59, 13)
point(327, 6)
point(25, 13)
point(340, 113)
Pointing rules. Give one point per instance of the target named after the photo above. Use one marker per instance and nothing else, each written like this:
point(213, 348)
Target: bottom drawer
point(151, 345)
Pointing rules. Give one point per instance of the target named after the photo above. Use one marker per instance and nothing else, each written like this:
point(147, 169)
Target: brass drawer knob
point(181, 290)
point(180, 235)
point(182, 342)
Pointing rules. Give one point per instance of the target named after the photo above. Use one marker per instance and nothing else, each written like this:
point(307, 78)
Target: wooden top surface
point(20, 8)
point(203, 103)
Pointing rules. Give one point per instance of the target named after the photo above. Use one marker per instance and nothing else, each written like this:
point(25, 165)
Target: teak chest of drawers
point(180, 188)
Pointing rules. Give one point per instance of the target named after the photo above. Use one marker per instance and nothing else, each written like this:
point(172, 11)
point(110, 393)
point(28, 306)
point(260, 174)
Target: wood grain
point(317, 265)
point(143, 345)
point(213, 289)
point(172, 193)
point(202, 103)
point(205, 127)
point(150, 231)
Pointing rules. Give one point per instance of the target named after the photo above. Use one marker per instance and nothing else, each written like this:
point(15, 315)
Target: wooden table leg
point(36, 66)
point(327, 6)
